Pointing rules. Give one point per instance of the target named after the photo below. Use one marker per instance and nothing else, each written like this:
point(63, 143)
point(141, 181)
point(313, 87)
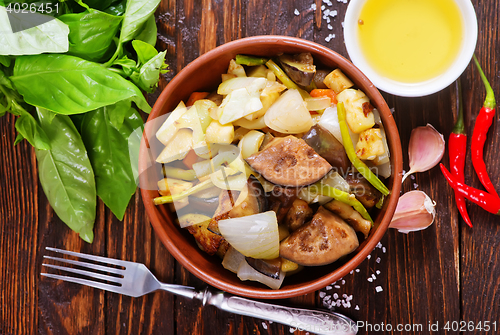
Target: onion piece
point(426, 149)
point(250, 143)
point(246, 272)
point(289, 115)
point(318, 104)
point(415, 211)
point(232, 259)
point(255, 236)
point(330, 121)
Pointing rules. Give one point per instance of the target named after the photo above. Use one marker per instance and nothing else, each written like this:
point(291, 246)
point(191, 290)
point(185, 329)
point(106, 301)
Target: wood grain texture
point(446, 273)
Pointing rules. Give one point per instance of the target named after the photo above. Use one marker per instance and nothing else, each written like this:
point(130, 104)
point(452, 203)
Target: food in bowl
point(277, 169)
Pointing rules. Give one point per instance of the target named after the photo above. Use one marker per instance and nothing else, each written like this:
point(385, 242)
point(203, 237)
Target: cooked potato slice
point(370, 144)
point(337, 81)
point(322, 241)
point(359, 115)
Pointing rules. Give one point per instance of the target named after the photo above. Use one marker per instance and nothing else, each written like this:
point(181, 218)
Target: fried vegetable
point(319, 77)
point(352, 217)
point(299, 67)
point(268, 267)
point(206, 240)
point(363, 190)
point(281, 200)
point(322, 241)
point(370, 144)
point(289, 161)
point(250, 60)
point(299, 213)
point(328, 147)
point(337, 81)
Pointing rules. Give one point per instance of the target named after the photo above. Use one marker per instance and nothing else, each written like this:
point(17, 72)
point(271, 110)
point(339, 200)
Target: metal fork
point(135, 279)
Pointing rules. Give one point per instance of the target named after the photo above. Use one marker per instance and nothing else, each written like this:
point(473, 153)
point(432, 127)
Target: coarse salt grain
point(379, 245)
point(337, 286)
point(383, 250)
point(378, 272)
point(296, 12)
point(313, 6)
point(356, 308)
point(328, 288)
point(333, 13)
point(369, 256)
point(378, 260)
point(351, 272)
point(264, 325)
point(322, 294)
point(335, 296)
point(323, 7)
point(357, 270)
point(379, 289)
point(370, 279)
point(343, 282)
point(329, 27)
point(373, 276)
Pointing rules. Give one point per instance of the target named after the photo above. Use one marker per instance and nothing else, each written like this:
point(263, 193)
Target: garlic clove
point(426, 149)
point(415, 211)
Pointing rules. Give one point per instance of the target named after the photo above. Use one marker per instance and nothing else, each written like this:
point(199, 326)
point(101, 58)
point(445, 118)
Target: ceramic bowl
point(418, 89)
point(204, 74)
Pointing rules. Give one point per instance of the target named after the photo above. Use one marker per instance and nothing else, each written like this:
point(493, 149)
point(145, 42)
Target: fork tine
point(91, 257)
point(87, 265)
point(85, 273)
point(102, 286)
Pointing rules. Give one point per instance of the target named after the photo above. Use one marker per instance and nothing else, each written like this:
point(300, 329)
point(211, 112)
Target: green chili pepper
point(344, 197)
point(351, 154)
point(167, 199)
point(281, 75)
point(250, 60)
point(177, 173)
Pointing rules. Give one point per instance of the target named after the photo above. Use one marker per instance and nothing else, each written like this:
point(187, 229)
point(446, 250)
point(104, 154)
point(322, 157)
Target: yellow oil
point(410, 40)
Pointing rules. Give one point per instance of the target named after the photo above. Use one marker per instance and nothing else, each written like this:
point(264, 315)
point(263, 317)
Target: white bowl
point(418, 89)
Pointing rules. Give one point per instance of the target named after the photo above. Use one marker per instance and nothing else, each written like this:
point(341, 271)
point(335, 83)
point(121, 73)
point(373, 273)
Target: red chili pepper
point(483, 123)
point(457, 148)
point(485, 200)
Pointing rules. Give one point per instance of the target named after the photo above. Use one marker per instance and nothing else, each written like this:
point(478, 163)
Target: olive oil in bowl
point(410, 41)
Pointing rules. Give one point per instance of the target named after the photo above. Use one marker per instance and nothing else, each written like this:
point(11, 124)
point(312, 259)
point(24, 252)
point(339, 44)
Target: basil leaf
point(66, 175)
point(136, 14)
point(117, 9)
point(149, 74)
point(70, 85)
point(148, 32)
point(145, 51)
point(99, 4)
point(5, 60)
point(109, 155)
point(28, 128)
point(91, 33)
point(51, 36)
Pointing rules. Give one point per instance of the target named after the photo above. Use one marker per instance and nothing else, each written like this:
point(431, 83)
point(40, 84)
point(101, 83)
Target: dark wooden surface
point(447, 273)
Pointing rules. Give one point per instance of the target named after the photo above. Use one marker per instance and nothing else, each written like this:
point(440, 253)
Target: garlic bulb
point(426, 149)
point(415, 211)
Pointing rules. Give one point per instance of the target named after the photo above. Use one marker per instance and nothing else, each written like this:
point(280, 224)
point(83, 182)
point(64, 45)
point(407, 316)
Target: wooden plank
point(18, 234)
point(480, 266)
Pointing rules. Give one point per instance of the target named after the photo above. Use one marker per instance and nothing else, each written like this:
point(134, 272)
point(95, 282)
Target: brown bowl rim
point(390, 206)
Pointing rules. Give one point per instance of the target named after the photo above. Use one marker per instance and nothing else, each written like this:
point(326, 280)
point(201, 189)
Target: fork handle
point(319, 322)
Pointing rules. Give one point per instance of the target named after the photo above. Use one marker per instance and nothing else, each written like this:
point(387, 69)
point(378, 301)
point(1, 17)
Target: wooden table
point(444, 275)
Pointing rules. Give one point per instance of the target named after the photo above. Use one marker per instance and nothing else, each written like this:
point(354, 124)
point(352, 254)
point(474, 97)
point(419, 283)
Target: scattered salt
point(344, 295)
point(264, 325)
point(379, 245)
point(337, 286)
point(329, 26)
point(329, 37)
point(323, 7)
point(378, 260)
point(412, 177)
point(374, 277)
point(333, 13)
point(351, 272)
point(335, 296)
point(296, 12)
point(328, 288)
point(313, 6)
point(378, 272)
point(322, 294)
point(356, 308)
point(357, 270)
point(415, 185)
point(370, 279)
point(383, 250)
point(343, 282)
point(369, 256)
point(379, 289)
